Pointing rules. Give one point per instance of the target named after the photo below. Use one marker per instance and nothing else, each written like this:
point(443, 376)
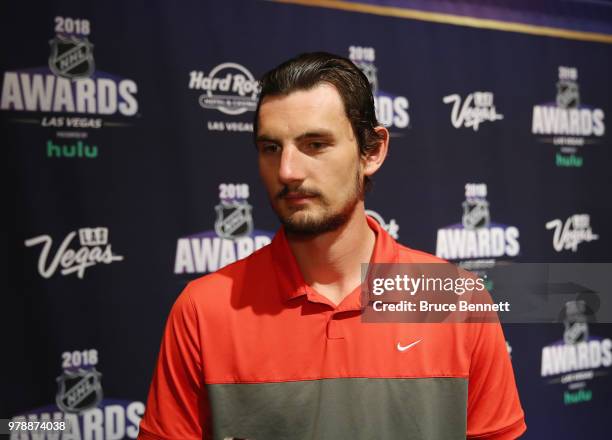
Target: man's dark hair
point(310, 69)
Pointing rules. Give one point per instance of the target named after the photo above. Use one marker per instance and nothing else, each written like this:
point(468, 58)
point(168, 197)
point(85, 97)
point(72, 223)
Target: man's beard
point(327, 222)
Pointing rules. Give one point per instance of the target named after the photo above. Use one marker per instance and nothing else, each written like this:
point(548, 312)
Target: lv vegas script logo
point(95, 249)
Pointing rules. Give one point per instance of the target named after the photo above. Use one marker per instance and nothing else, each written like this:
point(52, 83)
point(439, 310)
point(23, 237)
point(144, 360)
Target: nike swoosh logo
point(406, 347)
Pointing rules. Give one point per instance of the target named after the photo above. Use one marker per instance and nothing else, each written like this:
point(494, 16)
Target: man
point(273, 347)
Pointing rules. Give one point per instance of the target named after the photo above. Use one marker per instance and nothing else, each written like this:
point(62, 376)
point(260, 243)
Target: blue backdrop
point(128, 133)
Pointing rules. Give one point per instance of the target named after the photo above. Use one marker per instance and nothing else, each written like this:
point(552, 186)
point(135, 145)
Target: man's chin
point(301, 224)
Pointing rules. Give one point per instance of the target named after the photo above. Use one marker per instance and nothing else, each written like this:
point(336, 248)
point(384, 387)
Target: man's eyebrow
point(315, 134)
point(307, 135)
point(265, 138)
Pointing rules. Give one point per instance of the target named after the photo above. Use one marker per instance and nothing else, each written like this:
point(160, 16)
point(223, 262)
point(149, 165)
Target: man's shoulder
point(252, 270)
point(409, 255)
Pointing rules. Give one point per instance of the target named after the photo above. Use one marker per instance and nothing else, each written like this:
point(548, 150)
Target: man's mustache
point(299, 192)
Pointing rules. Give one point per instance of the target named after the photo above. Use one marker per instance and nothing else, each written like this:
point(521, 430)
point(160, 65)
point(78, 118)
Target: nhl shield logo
point(71, 57)
point(575, 322)
point(369, 70)
point(568, 95)
point(78, 390)
point(234, 219)
point(476, 214)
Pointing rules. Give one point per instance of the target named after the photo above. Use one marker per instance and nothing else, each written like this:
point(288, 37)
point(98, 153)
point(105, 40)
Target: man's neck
point(331, 262)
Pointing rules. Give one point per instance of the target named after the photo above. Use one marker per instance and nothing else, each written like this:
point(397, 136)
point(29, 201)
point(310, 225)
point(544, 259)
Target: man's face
point(309, 159)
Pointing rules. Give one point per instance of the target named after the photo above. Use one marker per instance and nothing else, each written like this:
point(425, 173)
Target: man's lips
point(301, 196)
point(297, 197)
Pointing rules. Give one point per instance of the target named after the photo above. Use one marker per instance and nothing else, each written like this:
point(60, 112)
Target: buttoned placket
point(336, 314)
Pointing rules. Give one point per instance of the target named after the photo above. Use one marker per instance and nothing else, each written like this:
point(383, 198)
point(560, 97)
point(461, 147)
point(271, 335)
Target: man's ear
point(375, 158)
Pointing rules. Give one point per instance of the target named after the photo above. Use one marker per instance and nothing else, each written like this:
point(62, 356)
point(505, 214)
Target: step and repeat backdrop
point(128, 133)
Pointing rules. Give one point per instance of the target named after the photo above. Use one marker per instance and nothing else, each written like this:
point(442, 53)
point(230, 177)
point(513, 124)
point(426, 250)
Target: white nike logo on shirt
point(406, 347)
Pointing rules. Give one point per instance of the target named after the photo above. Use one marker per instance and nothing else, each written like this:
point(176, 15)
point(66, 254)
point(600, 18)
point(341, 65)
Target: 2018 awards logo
point(391, 110)
point(95, 249)
point(80, 404)
point(229, 88)
point(568, 123)
point(477, 241)
point(234, 235)
point(579, 358)
point(69, 95)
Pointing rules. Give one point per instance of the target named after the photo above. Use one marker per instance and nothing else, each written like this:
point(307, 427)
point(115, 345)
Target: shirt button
point(334, 329)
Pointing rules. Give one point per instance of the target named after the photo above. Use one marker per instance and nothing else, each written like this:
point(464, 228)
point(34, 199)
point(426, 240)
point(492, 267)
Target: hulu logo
point(568, 161)
point(78, 150)
point(577, 397)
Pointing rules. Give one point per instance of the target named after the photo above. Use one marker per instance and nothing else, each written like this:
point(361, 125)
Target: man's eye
point(317, 145)
point(269, 148)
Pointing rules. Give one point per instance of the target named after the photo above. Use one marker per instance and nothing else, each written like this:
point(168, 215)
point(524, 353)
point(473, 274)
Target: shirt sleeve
point(177, 406)
point(494, 408)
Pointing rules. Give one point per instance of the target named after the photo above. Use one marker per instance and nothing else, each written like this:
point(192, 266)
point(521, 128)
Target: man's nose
point(291, 165)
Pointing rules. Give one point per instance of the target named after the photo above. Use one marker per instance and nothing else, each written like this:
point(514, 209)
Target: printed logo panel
point(568, 123)
point(94, 249)
point(476, 109)
point(578, 360)
point(80, 411)
point(69, 95)
point(477, 242)
point(230, 89)
point(391, 109)
point(569, 234)
point(234, 235)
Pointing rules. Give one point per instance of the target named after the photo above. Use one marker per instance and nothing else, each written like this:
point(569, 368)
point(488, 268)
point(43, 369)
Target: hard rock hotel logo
point(230, 89)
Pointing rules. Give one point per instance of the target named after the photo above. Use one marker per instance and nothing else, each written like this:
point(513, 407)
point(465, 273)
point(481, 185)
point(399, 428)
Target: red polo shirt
point(252, 352)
